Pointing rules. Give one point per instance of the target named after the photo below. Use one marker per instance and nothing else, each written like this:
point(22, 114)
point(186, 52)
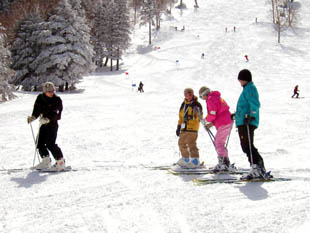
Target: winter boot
point(60, 165)
point(44, 164)
point(194, 163)
point(183, 162)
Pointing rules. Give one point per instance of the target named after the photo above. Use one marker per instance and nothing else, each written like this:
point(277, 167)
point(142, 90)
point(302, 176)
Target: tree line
point(63, 40)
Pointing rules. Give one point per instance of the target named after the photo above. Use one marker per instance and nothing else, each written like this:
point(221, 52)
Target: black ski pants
point(47, 141)
point(244, 141)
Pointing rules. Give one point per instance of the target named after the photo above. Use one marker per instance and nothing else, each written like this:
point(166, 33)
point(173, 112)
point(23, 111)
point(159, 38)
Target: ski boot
point(44, 164)
point(256, 172)
point(60, 165)
point(194, 163)
point(183, 162)
point(223, 164)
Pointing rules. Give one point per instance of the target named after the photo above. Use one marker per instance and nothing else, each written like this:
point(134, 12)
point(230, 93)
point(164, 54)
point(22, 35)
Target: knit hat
point(245, 75)
point(48, 87)
point(204, 91)
point(188, 90)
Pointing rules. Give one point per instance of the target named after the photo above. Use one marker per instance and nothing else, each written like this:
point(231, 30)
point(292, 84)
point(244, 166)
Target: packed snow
point(110, 133)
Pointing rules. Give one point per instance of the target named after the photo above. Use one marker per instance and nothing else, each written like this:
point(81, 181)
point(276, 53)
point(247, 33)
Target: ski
point(232, 180)
point(166, 167)
point(200, 171)
point(66, 169)
point(16, 170)
point(160, 167)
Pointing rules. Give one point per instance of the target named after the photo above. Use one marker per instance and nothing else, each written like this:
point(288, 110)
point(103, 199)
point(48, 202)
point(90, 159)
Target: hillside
point(109, 133)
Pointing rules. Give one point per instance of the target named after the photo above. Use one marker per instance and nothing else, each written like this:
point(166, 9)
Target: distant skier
point(296, 92)
point(219, 116)
point(246, 58)
point(48, 106)
point(196, 4)
point(247, 120)
point(187, 130)
point(202, 56)
point(140, 88)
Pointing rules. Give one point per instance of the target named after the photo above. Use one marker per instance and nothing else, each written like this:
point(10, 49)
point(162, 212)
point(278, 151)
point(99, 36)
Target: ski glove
point(208, 126)
point(44, 121)
point(178, 131)
point(248, 119)
point(30, 119)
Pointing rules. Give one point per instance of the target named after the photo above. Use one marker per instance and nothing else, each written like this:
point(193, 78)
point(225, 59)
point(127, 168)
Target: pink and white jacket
point(218, 110)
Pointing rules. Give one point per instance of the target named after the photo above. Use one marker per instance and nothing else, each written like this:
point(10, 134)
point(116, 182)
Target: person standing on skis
point(296, 92)
point(219, 116)
point(247, 120)
point(48, 106)
point(187, 130)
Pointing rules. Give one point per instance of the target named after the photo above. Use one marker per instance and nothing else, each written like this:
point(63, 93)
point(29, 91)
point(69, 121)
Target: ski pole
point(250, 147)
point(35, 139)
point(212, 139)
point(232, 125)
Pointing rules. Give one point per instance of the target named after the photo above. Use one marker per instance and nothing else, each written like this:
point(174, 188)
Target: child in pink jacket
point(220, 117)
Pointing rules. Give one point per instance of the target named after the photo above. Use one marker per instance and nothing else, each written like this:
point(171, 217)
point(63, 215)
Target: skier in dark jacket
point(296, 92)
point(140, 88)
point(48, 106)
point(247, 120)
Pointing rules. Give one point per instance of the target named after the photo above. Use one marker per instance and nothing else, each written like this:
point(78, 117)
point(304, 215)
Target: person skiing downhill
point(187, 130)
point(48, 106)
point(219, 116)
point(247, 120)
point(140, 88)
point(296, 92)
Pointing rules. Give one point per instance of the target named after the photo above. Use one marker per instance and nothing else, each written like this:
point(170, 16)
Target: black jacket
point(50, 108)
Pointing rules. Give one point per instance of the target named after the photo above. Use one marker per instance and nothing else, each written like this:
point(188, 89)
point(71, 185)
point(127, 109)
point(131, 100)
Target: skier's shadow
point(31, 179)
point(254, 191)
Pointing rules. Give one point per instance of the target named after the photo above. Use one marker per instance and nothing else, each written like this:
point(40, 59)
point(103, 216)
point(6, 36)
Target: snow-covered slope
point(110, 133)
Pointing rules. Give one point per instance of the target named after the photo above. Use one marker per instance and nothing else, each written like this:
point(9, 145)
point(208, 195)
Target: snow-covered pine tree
point(98, 33)
point(5, 72)
point(4, 6)
point(65, 49)
point(24, 50)
point(121, 29)
point(147, 15)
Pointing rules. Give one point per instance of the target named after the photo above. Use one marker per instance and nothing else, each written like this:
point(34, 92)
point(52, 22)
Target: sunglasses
point(203, 94)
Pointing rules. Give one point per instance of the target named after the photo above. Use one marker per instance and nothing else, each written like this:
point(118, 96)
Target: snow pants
point(47, 141)
point(220, 140)
point(244, 141)
point(295, 93)
point(187, 144)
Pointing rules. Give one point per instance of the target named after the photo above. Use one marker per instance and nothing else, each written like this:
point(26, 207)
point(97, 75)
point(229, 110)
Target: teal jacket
point(249, 104)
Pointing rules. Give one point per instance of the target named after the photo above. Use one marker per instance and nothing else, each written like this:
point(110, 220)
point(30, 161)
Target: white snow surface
point(110, 133)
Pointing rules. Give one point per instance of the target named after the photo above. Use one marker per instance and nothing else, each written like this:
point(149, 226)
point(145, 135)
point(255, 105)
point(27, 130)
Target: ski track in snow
point(109, 133)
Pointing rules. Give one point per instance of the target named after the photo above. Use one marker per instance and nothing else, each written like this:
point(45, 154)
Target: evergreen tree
point(5, 71)
point(113, 30)
point(121, 29)
point(65, 49)
point(98, 35)
point(147, 15)
point(24, 50)
point(4, 6)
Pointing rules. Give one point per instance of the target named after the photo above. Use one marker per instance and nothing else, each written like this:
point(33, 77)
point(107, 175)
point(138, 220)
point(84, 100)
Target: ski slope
point(110, 133)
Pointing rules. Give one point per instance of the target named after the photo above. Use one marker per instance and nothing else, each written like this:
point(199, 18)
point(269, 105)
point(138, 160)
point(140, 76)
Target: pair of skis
point(229, 177)
point(16, 170)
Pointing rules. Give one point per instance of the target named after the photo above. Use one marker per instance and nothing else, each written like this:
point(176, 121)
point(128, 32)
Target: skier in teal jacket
point(247, 120)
